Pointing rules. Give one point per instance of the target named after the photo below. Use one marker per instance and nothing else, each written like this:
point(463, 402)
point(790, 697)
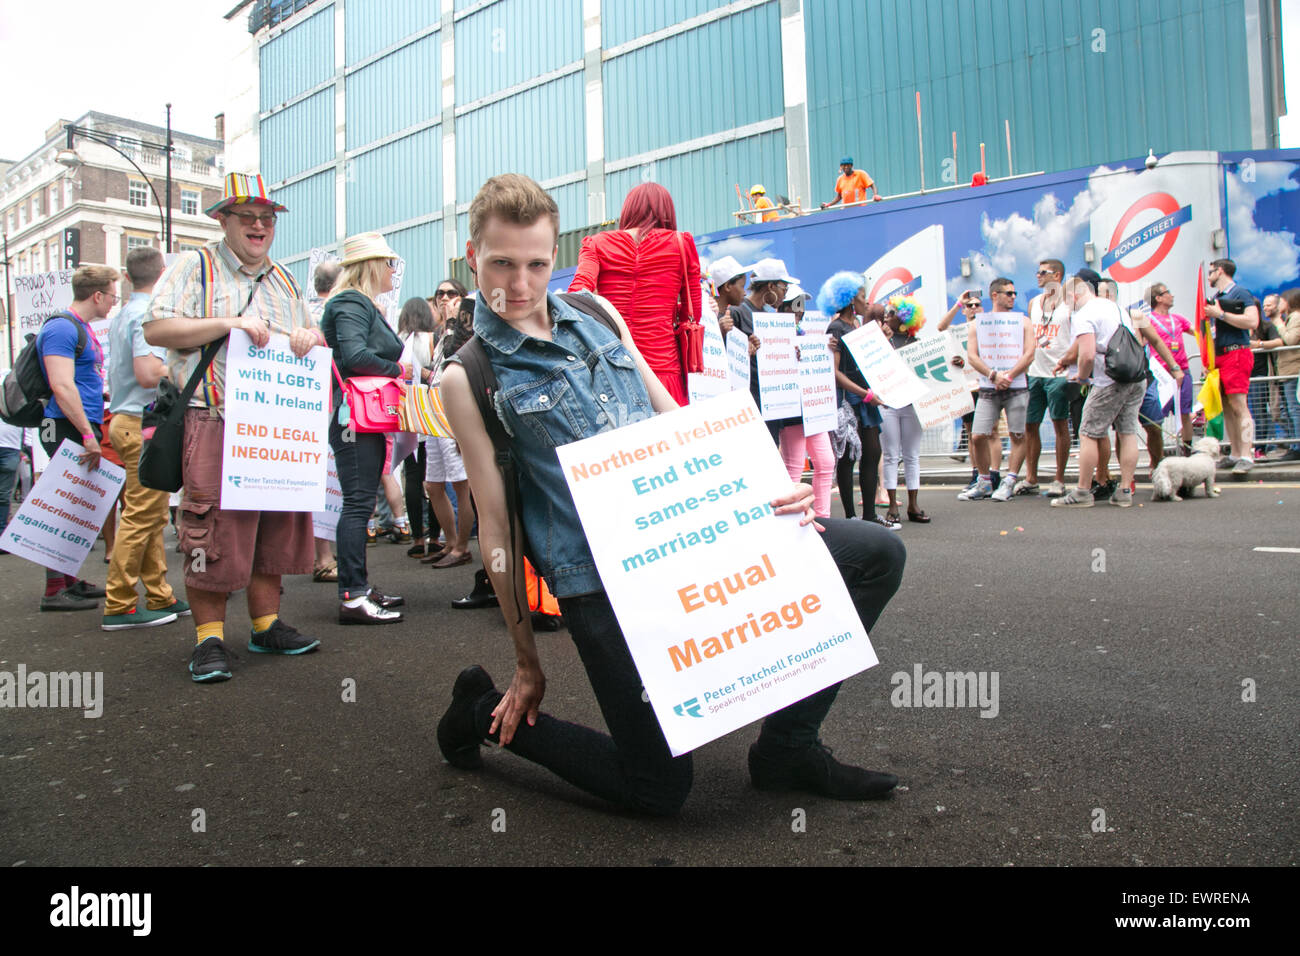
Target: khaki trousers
point(138, 553)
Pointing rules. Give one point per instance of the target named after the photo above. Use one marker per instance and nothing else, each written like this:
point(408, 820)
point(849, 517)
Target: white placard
point(1001, 340)
point(39, 296)
point(1165, 384)
point(730, 612)
point(103, 332)
point(325, 523)
point(778, 367)
point(948, 394)
point(886, 373)
point(57, 524)
point(715, 350)
point(817, 384)
point(390, 303)
point(814, 323)
point(738, 360)
point(277, 418)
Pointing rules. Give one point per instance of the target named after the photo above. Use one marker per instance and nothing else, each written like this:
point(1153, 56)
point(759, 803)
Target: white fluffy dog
point(1175, 477)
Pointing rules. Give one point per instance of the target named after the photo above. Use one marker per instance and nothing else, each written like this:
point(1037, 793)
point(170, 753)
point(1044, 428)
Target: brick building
point(104, 197)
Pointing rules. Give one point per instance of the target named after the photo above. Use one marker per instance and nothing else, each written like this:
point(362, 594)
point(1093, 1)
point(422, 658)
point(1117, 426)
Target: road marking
point(1280, 550)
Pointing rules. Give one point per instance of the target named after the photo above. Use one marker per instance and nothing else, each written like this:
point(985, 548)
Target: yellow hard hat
point(756, 189)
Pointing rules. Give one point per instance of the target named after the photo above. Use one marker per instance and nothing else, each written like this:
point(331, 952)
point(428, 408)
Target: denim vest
point(580, 383)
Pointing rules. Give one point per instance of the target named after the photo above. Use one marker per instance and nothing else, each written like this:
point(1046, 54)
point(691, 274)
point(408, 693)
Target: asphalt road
point(1120, 692)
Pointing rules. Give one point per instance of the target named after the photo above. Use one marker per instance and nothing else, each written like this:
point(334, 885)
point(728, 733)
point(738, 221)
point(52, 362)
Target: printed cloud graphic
point(1264, 258)
point(745, 251)
point(1015, 243)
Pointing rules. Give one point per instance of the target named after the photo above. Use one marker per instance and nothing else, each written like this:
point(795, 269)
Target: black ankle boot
point(481, 596)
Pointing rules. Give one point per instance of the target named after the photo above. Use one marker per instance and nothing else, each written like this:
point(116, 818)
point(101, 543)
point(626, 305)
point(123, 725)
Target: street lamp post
point(68, 157)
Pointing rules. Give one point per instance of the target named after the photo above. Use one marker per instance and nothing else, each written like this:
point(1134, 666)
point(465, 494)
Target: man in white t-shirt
point(1093, 322)
point(1050, 393)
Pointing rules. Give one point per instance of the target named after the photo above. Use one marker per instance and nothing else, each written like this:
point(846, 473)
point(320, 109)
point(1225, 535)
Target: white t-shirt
point(1102, 318)
point(1052, 336)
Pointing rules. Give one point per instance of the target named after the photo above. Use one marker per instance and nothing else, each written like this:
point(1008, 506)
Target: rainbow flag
point(1210, 398)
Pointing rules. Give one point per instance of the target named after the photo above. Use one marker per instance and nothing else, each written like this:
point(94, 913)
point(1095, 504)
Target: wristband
point(88, 435)
point(870, 396)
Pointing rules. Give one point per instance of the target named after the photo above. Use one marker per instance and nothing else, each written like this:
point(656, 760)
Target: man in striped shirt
point(231, 284)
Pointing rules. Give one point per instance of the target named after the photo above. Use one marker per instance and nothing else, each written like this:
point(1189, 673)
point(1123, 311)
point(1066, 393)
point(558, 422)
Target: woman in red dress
point(649, 271)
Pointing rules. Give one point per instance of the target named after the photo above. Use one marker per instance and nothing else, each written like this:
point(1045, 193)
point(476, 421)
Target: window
point(188, 245)
point(189, 202)
point(54, 199)
point(67, 192)
point(22, 215)
point(36, 207)
point(52, 254)
point(135, 242)
point(137, 192)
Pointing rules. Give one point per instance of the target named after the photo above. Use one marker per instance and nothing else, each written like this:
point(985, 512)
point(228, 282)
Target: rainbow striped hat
point(243, 188)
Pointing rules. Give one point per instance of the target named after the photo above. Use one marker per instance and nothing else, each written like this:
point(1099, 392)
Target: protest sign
point(1165, 384)
point(729, 611)
point(738, 360)
point(102, 329)
point(39, 296)
point(960, 340)
point(947, 394)
point(277, 421)
point(390, 303)
point(778, 367)
point(1001, 340)
point(814, 323)
point(888, 375)
point(817, 384)
point(714, 379)
point(60, 520)
point(325, 523)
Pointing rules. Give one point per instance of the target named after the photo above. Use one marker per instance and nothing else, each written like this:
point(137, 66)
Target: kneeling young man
point(529, 335)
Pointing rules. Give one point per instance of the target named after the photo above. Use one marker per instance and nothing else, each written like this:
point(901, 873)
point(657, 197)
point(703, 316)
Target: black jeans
point(632, 766)
point(416, 500)
point(360, 463)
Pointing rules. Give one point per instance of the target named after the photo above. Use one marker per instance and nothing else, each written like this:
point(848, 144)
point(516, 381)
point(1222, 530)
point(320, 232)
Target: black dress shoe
point(481, 596)
point(815, 771)
point(458, 737)
point(385, 600)
point(368, 612)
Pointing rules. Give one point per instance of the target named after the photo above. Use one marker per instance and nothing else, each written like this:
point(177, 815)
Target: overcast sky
point(60, 58)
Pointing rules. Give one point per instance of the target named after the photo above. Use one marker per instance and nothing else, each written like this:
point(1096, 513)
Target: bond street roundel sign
point(910, 283)
point(1165, 229)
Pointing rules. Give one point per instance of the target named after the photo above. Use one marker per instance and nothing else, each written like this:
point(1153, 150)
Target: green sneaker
point(178, 607)
point(136, 618)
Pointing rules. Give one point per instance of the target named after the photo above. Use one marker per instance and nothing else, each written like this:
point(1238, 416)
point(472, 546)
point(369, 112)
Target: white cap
point(794, 292)
point(771, 270)
point(724, 270)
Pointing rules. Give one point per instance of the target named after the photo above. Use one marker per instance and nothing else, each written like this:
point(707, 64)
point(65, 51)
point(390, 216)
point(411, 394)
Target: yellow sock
point(216, 629)
point(263, 623)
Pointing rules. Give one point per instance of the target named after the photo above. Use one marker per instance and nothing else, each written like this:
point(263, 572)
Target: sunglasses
point(446, 294)
point(1013, 293)
point(248, 218)
point(1044, 272)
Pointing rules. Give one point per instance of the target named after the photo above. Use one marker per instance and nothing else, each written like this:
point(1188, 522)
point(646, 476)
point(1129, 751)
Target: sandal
point(435, 556)
point(893, 517)
point(451, 560)
point(328, 573)
point(920, 517)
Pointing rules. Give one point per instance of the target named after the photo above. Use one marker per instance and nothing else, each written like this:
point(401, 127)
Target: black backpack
point(1126, 360)
point(26, 390)
point(483, 385)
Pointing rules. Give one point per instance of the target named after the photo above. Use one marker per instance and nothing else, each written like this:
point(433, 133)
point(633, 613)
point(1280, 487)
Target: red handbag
point(690, 333)
point(373, 402)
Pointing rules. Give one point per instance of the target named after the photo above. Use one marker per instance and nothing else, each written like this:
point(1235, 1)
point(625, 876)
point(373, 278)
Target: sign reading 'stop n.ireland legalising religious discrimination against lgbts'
point(277, 426)
point(730, 611)
point(60, 520)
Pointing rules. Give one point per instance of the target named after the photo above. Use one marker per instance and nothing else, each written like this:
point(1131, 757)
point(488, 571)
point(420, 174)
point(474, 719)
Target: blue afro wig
point(838, 291)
